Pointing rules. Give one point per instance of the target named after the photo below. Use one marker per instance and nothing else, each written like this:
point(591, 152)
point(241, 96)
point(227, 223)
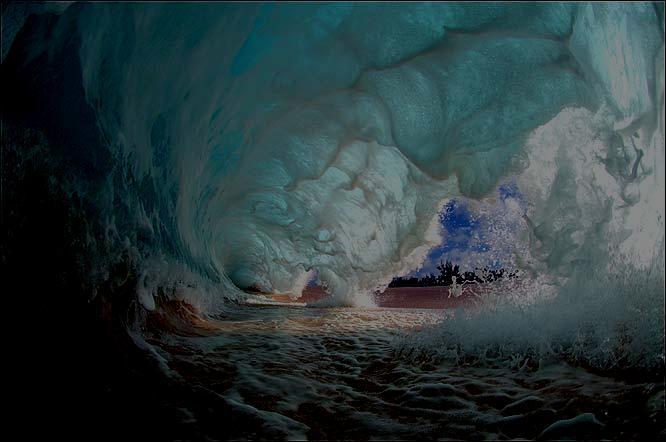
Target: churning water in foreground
point(342, 373)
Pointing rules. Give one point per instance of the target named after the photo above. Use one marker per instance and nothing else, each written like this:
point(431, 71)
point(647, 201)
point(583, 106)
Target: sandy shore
point(403, 297)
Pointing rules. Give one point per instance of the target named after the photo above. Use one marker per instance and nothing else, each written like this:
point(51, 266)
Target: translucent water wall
point(252, 145)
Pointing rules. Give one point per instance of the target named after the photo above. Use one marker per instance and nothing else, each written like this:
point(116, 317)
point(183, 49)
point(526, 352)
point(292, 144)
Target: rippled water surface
point(308, 373)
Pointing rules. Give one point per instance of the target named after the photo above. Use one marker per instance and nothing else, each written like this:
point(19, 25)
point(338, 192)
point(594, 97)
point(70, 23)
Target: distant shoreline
point(437, 297)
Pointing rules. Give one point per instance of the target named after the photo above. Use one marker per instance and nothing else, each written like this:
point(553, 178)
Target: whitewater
point(185, 171)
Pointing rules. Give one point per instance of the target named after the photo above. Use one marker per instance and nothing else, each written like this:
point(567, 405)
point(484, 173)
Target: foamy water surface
point(336, 373)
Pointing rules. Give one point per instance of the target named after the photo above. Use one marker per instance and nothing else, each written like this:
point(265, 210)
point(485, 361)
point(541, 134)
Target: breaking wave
point(238, 151)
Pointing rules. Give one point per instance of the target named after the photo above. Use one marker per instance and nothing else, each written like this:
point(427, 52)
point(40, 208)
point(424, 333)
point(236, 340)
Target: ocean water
point(298, 373)
point(168, 169)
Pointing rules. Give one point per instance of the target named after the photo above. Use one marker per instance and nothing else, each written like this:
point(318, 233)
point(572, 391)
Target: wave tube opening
point(169, 170)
